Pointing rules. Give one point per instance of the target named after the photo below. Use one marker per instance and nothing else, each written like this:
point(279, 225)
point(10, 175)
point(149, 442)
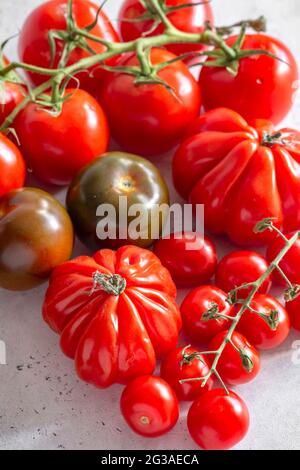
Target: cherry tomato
point(290, 264)
point(149, 119)
point(181, 364)
point(11, 96)
point(190, 20)
point(191, 259)
point(293, 309)
point(257, 330)
point(195, 304)
point(34, 47)
point(57, 147)
point(150, 406)
point(218, 421)
point(242, 267)
point(238, 364)
point(12, 166)
point(264, 86)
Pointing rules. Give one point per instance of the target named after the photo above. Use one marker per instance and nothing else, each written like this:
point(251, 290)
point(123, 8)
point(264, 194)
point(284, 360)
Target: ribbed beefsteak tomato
point(241, 174)
point(115, 312)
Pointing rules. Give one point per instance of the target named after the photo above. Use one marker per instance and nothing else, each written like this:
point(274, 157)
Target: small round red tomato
point(290, 264)
point(190, 20)
point(264, 86)
point(12, 166)
point(242, 267)
point(293, 309)
point(195, 304)
point(190, 258)
point(238, 364)
point(11, 96)
point(150, 406)
point(185, 363)
point(57, 147)
point(217, 420)
point(34, 47)
point(149, 119)
point(257, 329)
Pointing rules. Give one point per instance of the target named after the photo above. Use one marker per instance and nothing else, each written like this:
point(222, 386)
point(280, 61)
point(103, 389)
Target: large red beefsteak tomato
point(241, 174)
point(115, 312)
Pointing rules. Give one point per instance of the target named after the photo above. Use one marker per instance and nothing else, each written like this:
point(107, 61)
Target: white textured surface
point(44, 406)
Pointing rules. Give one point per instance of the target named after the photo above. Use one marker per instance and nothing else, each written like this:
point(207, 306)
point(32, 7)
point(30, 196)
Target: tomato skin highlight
point(217, 421)
point(150, 406)
point(290, 264)
point(195, 304)
point(11, 96)
point(230, 365)
point(189, 267)
point(263, 88)
point(257, 331)
point(174, 369)
point(12, 166)
point(242, 267)
point(149, 119)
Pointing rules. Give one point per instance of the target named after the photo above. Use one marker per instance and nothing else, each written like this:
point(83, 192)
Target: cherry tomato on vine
point(242, 267)
point(290, 264)
point(190, 20)
point(257, 330)
point(150, 406)
point(57, 147)
point(149, 119)
point(12, 166)
point(34, 47)
point(264, 86)
point(195, 304)
point(190, 258)
point(293, 309)
point(181, 364)
point(238, 364)
point(218, 421)
point(11, 96)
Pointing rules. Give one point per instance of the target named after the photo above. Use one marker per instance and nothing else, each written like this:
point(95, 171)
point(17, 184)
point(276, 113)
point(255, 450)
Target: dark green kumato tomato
point(36, 235)
point(117, 200)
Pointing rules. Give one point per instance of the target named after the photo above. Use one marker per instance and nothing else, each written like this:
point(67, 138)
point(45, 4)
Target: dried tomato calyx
point(112, 284)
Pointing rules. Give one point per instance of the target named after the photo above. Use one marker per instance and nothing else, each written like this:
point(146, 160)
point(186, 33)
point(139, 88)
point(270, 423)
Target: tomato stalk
point(271, 317)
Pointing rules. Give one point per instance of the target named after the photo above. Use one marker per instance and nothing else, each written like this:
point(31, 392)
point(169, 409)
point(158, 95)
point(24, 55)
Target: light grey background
point(44, 406)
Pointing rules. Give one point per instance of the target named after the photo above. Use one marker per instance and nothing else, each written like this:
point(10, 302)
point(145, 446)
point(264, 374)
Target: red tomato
point(34, 46)
point(236, 367)
point(12, 166)
point(242, 174)
point(293, 309)
point(263, 88)
point(57, 147)
point(11, 95)
point(149, 119)
point(149, 405)
point(257, 330)
point(290, 264)
point(190, 20)
point(218, 421)
point(195, 304)
point(242, 267)
point(177, 366)
point(191, 259)
point(116, 313)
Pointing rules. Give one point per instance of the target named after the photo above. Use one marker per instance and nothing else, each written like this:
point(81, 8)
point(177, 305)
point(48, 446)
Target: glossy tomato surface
point(242, 267)
point(12, 166)
point(150, 406)
point(51, 15)
point(218, 421)
point(264, 86)
point(191, 19)
point(190, 258)
point(57, 147)
point(195, 304)
point(149, 119)
point(238, 364)
point(36, 235)
point(11, 95)
point(113, 176)
point(115, 313)
point(293, 309)
point(290, 264)
point(257, 330)
point(242, 174)
point(184, 364)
